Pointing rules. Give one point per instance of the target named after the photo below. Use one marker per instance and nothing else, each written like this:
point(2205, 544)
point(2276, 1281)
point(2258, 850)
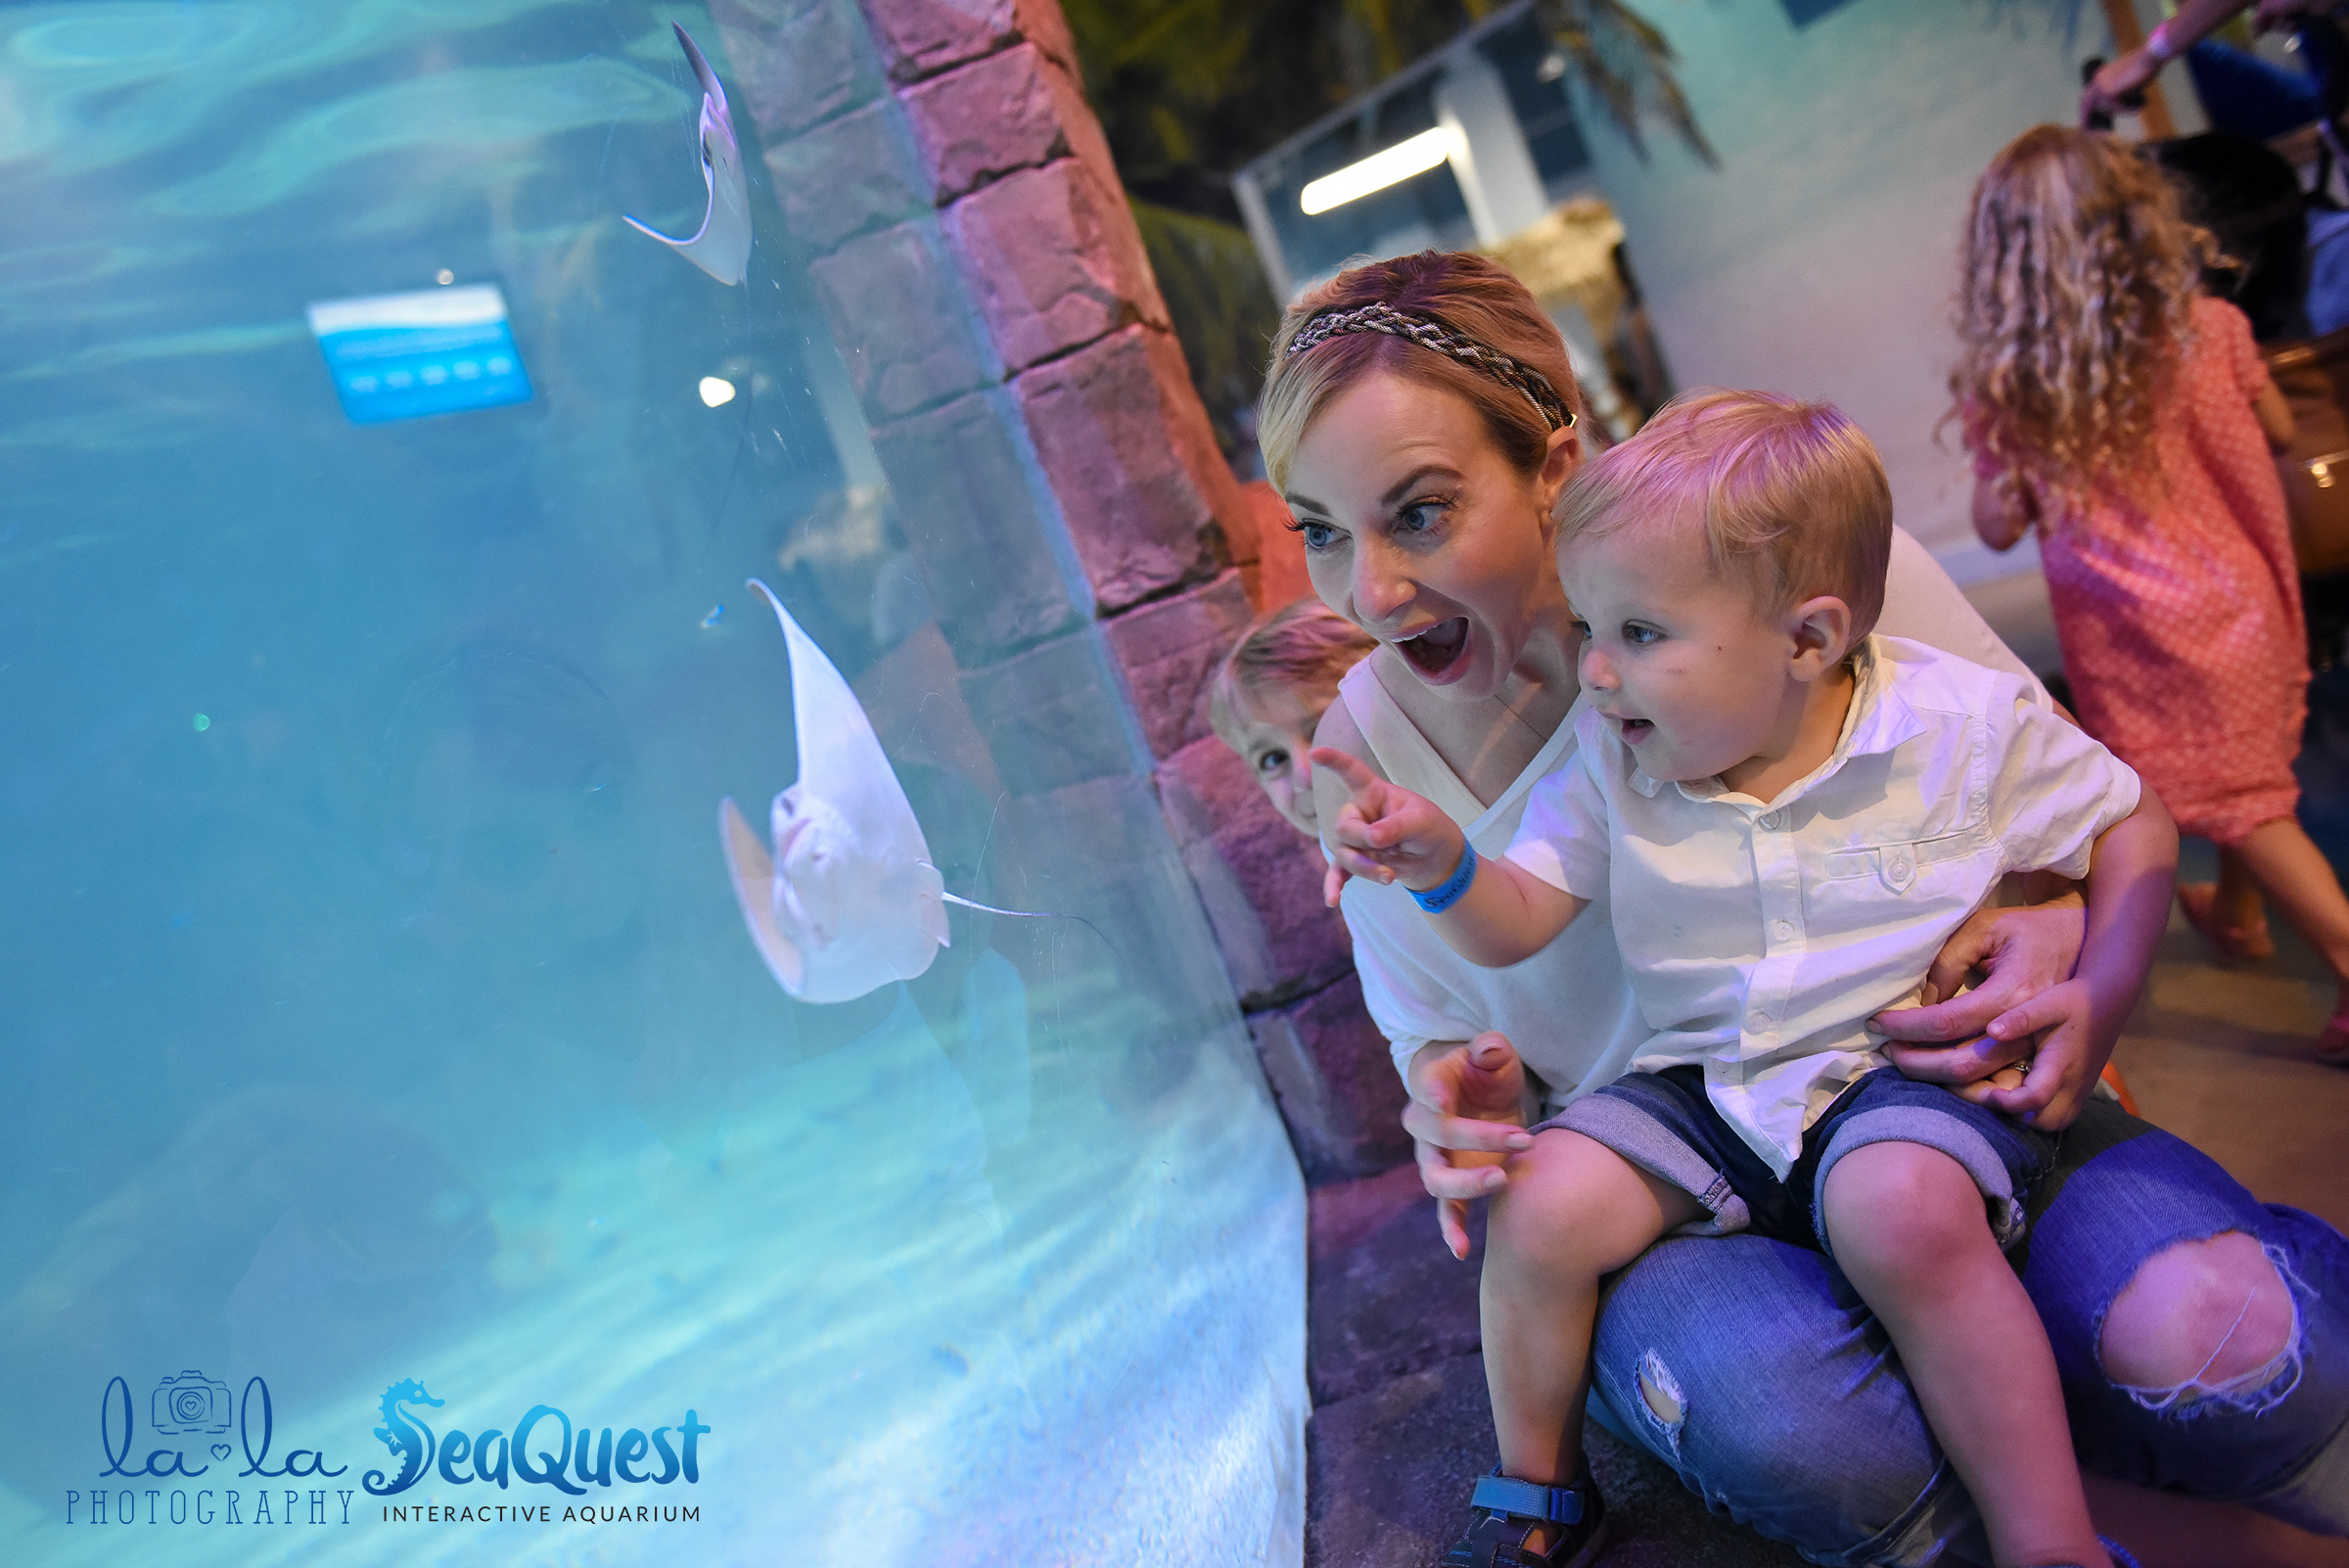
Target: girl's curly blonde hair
point(2073, 311)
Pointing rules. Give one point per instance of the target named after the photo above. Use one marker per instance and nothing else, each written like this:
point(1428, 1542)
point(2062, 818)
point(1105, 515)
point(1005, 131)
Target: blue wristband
point(1437, 899)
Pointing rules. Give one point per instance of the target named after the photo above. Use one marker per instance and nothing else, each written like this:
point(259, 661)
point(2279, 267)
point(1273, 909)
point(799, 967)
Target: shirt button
point(1773, 820)
point(1783, 930)
point(1756, 1020)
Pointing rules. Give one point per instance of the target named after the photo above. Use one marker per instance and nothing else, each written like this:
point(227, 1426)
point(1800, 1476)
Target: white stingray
point(721, 246)
point(848, 899)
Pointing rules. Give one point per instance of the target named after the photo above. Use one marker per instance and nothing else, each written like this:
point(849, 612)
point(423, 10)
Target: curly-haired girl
point(2127, 418)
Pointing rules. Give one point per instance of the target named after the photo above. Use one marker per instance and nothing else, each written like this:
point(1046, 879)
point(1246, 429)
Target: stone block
point(972, 518)
point(896, 310)
point(1137, 511)
point(920, 38)
point(981, 121)
point(1384, 1296)
point(1016, 109)
point(1053, 260)
point(1260, 878)
point(792, 64)
point(1053, 715)
point(1168, 650)
point(847, 175)
point(1335, 1081)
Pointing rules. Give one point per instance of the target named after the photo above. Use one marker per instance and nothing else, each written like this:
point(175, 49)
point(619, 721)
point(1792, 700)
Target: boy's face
point(1680, 658)
point(1274, 737)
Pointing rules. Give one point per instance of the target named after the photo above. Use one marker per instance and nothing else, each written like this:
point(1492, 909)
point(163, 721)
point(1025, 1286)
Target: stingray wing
point(754, 872)
point(721, 246)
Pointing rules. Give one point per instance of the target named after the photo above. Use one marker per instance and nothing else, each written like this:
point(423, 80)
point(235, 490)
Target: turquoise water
point(377, 1007)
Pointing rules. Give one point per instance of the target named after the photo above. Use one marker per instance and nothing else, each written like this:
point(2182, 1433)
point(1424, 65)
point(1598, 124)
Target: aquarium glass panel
point(441, 1131)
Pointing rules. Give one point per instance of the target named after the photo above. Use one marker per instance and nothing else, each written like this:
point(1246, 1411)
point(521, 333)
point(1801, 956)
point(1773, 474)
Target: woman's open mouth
point(1438, 648)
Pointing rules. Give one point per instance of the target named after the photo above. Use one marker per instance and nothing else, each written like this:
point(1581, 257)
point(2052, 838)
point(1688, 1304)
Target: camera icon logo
point(189, 1403)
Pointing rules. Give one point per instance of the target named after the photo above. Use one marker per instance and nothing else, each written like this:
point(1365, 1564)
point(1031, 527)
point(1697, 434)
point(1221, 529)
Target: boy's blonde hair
point(1302, 649)
point(1791, 495)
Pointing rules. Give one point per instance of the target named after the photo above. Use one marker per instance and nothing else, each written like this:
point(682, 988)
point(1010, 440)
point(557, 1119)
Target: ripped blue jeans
point(1752, 1367)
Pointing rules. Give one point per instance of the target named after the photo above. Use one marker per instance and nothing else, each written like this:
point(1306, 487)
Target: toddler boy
point(1791, 815)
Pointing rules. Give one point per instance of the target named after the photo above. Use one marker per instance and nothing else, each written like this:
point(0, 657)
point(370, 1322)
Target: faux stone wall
point(971, 245)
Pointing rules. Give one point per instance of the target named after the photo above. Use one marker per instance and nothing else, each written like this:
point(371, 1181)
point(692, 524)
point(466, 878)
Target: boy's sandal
point(2198, 902)
point(1507, 1510)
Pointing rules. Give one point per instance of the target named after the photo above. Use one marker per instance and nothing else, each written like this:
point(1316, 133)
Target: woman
point(1419, 420)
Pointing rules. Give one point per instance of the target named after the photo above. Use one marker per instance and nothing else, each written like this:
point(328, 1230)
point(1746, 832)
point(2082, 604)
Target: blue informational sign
point(434, 351)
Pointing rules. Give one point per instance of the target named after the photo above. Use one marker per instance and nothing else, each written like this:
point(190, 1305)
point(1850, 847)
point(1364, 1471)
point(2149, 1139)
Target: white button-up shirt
point(1761, 936)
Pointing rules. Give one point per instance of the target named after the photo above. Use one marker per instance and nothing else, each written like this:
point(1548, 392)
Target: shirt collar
point(1879, 720)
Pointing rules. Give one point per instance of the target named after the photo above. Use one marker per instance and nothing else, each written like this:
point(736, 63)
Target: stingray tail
point(1031, 914)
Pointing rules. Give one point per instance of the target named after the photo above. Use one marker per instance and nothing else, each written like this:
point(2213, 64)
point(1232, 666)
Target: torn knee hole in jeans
point(2252, 1392)
point(1661, 1398)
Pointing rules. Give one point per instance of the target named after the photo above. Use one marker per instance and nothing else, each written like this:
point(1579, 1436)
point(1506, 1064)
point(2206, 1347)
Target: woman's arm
point(2194, 21)
point(2131, 879)
point(2275, 414)
point(2000, 519)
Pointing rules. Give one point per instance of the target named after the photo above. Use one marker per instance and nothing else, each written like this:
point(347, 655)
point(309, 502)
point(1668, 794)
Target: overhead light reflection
point(1376, 172)
point(717, 390)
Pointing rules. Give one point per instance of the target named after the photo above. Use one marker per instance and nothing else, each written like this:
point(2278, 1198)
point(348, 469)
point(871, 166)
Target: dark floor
point(1401, 1428)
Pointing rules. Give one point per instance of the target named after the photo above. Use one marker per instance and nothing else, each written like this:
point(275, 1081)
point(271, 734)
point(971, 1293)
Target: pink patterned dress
point(2181, 621)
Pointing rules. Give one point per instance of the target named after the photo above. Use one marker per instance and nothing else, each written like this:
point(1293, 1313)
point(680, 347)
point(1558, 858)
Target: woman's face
point(1419, 532)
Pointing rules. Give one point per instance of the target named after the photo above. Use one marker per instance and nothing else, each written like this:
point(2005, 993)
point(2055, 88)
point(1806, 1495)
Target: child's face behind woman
point(1273, 738)
point(1419, 531)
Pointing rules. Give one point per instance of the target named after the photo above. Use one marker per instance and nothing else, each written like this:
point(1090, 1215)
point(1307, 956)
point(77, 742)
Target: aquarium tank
point(459, 1114)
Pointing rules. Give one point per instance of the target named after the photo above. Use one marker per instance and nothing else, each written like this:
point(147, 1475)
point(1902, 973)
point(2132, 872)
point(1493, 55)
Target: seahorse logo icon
point(406, 1434)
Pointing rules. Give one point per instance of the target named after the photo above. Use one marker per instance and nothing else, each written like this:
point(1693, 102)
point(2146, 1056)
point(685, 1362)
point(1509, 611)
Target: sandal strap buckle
point(1528, 1499)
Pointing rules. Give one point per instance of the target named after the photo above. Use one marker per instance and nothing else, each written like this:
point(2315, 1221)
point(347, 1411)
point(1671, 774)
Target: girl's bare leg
point(2239, 903)
point(2299, 884)
point(1907, 1229)
point(1573, 1211)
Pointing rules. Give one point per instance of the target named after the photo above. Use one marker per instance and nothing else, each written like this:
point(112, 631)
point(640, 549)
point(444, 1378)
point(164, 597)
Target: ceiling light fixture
point(1376, 172)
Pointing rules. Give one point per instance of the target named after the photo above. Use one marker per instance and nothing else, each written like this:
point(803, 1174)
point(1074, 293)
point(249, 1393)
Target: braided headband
point(1429, 332)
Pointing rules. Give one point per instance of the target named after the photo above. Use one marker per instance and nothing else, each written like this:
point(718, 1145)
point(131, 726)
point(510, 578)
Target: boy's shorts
point(1665, 1123)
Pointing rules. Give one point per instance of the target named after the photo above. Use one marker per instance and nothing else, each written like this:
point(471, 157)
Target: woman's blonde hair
point(2074, 308)
point(1301, 649)
point(1473, 297)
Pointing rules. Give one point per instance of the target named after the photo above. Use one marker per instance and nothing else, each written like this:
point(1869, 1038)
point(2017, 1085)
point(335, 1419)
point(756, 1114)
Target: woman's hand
point(2027, 1009)
point(1468, 1114)
point(2116, 81)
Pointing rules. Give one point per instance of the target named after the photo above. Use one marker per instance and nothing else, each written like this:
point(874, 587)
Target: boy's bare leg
point(1908, 1230)
point(1574, 1210)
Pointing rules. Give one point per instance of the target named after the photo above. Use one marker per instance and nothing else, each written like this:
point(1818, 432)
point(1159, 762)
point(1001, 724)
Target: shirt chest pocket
point(1898, 866)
